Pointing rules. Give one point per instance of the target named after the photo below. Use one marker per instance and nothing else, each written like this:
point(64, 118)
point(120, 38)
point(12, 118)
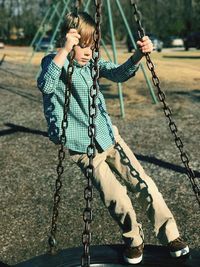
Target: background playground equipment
point(59, 10)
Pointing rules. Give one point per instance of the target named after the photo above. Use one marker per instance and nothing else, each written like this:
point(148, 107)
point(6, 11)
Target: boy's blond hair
point(86, 27)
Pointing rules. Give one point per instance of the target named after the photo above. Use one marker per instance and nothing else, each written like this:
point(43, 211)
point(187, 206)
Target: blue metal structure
point(63, 6)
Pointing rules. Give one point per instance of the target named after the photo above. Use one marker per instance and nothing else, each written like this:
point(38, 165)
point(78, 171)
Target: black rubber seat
point(112, 256)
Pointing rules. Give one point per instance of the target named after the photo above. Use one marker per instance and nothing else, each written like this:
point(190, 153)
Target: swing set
point(58, 11)
point(106, 255)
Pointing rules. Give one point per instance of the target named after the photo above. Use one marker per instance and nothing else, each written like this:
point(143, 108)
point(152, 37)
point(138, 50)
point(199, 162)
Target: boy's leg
point(124, 162)
point(114, 196)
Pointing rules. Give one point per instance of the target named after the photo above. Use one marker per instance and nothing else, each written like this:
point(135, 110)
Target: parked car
point(176, 41)
point(192, 40)
point(2, 44)
point(157, 43)
point(44, 45)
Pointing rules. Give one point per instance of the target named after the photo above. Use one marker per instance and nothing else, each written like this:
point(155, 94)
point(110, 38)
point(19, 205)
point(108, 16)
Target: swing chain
point(91, 149)
point(167, 111)
point(75, 6)
point(61, 151)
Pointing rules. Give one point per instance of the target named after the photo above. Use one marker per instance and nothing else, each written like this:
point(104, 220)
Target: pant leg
point(114, 196)
point(125, 163)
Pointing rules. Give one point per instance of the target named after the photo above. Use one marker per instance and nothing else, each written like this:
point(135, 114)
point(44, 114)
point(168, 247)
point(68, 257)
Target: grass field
point(28, 159)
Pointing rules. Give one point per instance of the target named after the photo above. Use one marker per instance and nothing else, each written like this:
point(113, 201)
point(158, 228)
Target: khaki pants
point(119, 158)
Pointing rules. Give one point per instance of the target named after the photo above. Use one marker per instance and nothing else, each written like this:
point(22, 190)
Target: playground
point(28, 159)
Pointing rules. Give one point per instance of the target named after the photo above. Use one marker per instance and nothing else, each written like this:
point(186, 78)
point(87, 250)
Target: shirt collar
point(78, 65)
point(81, 66)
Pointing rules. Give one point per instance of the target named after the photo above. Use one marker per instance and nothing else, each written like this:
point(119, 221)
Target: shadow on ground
point(194, 95)
point(13, 128)
point(181, 57)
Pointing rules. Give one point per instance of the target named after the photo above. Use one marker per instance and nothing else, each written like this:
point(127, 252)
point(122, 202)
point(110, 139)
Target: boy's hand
point(72, 38)
point(145, 45)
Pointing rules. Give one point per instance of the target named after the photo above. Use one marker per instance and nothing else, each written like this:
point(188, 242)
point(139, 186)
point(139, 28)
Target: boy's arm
point(49, 75)
point(52, 65)
point(121, 73)
point(72, 39)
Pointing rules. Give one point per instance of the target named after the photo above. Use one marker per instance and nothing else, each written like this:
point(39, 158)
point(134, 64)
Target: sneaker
point(178, 248)
point(133, 255)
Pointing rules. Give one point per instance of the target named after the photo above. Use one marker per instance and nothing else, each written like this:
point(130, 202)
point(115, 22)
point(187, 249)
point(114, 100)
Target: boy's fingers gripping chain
point(72, 30)
point(72, 38)
point(73, 33)
point(145, 38)
point(145, 44)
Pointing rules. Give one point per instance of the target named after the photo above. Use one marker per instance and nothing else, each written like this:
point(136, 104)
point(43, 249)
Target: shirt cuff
point(54, 70)
point(136, 57)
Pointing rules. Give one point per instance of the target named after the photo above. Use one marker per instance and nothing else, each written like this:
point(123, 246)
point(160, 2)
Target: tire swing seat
point(111, 256)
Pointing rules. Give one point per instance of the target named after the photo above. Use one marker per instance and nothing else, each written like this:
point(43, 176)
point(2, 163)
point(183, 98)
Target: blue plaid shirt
point(52, 84)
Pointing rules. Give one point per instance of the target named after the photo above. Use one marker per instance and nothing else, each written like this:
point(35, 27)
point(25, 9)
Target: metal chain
point(91, 149)
point(75, 6)
point(63, 140)
point(167, 111)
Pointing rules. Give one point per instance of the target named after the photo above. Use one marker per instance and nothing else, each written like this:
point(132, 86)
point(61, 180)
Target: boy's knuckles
point(145, 38)
point(72, 30)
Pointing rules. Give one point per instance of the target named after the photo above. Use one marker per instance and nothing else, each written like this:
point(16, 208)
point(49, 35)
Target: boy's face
point(83, 55)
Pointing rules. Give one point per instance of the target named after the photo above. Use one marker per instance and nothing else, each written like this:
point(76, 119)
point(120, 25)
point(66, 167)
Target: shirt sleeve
point(115, 72)
point(49, 75)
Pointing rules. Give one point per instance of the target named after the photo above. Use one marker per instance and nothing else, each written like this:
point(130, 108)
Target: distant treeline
point(20, 19)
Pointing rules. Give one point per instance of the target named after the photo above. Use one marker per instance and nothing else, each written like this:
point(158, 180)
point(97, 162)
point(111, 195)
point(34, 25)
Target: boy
point(110, 146)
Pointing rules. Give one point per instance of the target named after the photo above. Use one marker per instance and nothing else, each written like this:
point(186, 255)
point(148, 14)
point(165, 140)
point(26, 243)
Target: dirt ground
point(28, 159)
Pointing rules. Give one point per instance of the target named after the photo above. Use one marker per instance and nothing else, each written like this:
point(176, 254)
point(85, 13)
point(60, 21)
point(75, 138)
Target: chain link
point(91, 150)
point(61, 151)
point(167, 111)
